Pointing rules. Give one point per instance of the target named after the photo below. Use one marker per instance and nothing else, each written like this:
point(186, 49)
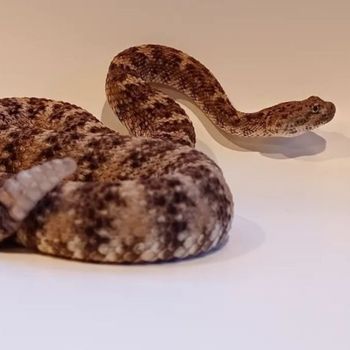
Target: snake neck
point(146, 111)
point(239, 123)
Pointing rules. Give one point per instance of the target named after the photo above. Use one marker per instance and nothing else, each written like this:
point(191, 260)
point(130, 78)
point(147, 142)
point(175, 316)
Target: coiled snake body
point(71, 187)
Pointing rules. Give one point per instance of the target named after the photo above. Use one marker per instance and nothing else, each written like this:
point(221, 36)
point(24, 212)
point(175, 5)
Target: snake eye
point(315, 108)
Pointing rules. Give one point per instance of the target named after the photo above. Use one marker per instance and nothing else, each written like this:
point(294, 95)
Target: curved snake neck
point(129, 93)
point(141, 198)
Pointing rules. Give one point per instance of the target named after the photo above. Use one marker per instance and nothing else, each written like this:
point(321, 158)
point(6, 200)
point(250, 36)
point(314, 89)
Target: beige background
point(283, 279)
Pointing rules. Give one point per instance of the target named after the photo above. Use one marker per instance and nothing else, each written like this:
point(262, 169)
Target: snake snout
point(332, 109)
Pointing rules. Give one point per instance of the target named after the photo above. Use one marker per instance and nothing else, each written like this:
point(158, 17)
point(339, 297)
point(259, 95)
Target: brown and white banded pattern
point(141, 198)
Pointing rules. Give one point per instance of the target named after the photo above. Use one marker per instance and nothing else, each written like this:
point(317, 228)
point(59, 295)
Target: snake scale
point(73, 188)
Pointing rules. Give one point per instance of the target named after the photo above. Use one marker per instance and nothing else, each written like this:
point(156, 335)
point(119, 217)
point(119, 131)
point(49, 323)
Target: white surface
point(282, 281)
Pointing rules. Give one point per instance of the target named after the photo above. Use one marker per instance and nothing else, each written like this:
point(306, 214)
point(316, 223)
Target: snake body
point(73, 188)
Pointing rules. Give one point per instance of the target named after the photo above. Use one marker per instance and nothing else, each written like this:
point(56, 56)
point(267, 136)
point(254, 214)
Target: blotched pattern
point(141, 198)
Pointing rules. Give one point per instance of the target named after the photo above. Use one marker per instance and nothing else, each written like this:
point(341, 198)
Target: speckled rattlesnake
point(71, 187)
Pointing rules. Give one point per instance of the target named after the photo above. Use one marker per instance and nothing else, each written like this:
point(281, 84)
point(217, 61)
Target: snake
point(71, 187)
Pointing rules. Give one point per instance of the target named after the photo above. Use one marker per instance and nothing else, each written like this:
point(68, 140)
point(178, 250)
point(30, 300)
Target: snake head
point(309, 114)
point(295, 117)
point(318, 112)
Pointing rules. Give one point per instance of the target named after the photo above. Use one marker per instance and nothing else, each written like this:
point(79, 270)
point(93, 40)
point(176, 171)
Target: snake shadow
point(244, 238)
